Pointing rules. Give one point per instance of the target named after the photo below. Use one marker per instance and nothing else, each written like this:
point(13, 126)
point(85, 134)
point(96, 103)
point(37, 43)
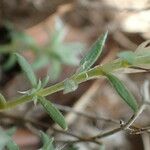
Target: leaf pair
point(47, 105)
point(122, 90)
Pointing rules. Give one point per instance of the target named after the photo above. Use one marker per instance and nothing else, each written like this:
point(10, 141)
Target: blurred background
point(53, 35)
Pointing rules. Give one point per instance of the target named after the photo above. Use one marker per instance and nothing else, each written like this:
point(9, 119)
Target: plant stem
point(134, 117)
point(78, 78)
point(22, 120)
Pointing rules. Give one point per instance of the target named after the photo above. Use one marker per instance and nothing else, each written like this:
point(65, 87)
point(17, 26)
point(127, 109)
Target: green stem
point(78, 78)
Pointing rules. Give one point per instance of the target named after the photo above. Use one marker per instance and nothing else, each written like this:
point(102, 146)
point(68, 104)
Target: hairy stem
point(77, 78)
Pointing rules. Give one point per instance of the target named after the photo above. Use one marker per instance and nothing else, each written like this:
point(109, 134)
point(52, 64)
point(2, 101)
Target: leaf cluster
point(53, 52)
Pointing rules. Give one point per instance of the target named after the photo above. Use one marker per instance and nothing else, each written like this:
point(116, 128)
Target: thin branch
point(21, 120)
point(134, 117)
point(79, 141)
point(142, 130)
point(85, 114)
point(127, 126)
point(123, 127)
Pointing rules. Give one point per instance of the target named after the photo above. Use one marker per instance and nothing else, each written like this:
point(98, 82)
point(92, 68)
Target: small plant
point(139, 59)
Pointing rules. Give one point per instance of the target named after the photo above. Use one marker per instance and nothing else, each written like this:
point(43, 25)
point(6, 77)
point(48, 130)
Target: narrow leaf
point(45, 138)
point(24, 40)
point(45, 81)
point(71, 50)
point(6, 139)
point(128, 56)
point(47, 142)
point(102, 147)
point(72, 147)
point(59, 33)
point(53, 112)
point(11, 145)
point(39, 85)
point(40, 62)
point(93, 54)
point(27, 69)
point(55, 70)
point(123, 91)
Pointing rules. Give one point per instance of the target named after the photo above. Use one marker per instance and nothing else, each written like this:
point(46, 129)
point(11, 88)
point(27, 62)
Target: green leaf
point(72, 147)
point(11, 131)
point(41, 61)
point(6, 140)
point(123, 91)
point(54, 70)
point(71, 50)
point(24, 40)
point(93, 54)
point(53, 112)
point(128, 56)
point(45, 138)
point(45, 81)
point(59, 33)
point(142, 59)
point(11, 145)
point(102, 147)
point(27, 69)
point(39, 85)
point(47, 142)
